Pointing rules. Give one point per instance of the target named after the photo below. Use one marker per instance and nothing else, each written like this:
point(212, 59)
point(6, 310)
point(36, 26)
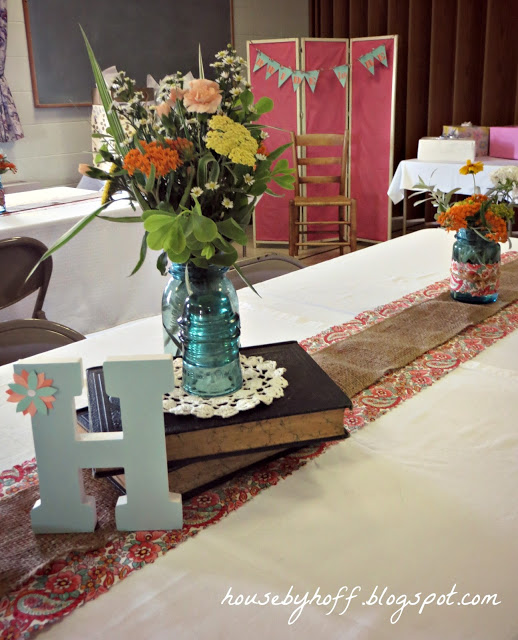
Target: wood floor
point(308, 256)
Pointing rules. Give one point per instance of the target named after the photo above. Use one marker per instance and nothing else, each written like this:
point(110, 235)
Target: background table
point(89, 289)
point(443, 175)
point(419, 501)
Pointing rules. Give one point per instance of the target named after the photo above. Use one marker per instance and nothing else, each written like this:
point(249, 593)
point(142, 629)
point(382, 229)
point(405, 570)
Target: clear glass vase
point(475, 268)
point(200, 314)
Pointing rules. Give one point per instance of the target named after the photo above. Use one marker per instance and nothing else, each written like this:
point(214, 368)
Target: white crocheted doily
point(262, 382)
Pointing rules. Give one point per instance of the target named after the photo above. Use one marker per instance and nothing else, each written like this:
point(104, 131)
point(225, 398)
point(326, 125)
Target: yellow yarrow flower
point(471, 167)
point(110, 186)
point(231, 139)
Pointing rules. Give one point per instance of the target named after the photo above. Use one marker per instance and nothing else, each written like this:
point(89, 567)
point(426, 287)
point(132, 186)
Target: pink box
point(503, 142)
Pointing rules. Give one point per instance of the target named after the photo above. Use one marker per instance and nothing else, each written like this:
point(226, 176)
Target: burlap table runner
point(354, 364)
point(22, 552)
point(357, 362)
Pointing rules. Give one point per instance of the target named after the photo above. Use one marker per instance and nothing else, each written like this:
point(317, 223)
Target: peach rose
point(203, 96)
point(177, 94)
point(163, 109)
point(83, 168)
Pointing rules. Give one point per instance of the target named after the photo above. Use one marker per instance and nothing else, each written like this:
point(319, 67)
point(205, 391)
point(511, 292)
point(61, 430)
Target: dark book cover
point(311, 411)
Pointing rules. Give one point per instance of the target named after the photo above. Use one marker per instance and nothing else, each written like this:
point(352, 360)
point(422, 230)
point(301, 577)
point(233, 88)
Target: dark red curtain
point(457, 59)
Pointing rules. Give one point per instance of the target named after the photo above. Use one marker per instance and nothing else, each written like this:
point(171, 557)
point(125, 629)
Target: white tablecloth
point(444, 175)
point(421, 501)
point(89, 289)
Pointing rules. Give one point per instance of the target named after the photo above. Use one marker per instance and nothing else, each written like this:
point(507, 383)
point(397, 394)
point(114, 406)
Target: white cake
point(446, 149)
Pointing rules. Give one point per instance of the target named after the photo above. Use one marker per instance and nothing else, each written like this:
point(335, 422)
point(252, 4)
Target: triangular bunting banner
point(261, 60)
point(311, 79)
point(271, 68)
point(297, 77)
point(368, 61)
point(284, 74)
point(341, 73)
point(380, 54)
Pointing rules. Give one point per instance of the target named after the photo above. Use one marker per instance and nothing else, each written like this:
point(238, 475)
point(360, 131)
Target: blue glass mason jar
point(475, 268)
point(200, 316)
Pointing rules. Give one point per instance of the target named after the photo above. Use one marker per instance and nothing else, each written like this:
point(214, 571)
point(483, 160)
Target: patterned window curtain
point(10, 127)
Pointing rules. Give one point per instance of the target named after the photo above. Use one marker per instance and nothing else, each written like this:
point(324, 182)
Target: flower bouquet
point(5, 166)
point(480, 222)
point(195, 164)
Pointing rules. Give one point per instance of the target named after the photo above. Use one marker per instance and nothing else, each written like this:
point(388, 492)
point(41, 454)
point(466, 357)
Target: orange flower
point(497, 227)
point(163, 158)
point(262, 149)
point(184, 147)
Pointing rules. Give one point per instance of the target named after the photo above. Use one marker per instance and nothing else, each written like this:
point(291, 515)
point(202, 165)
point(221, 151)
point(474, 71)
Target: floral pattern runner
point(62, 586)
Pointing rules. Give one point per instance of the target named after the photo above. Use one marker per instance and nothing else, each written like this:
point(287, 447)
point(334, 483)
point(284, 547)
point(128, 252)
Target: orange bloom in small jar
point(203, 96)
point(5, 165)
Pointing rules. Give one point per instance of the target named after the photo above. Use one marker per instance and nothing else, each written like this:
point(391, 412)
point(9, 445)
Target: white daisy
point(238, 78)
point(224, 75)
point(260, 156)
point(252, 109)
point(227, 203)
point(228, 59)
point(248, 179)
point(196, 191)
point(236, 91)
point(212, 186)
point(264, 135)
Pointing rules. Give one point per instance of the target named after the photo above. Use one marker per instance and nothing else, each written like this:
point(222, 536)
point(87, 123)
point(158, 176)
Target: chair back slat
point(320, 179)
point(329, 160)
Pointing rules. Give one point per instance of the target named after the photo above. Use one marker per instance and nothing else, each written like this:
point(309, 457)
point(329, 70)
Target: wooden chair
point(300, 227)
point(25, 338)
point(17, 258)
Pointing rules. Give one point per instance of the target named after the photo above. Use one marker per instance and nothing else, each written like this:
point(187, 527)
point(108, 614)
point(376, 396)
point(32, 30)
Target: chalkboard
point(158, 37)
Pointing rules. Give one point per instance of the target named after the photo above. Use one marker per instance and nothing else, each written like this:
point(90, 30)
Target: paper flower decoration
point(32, 392)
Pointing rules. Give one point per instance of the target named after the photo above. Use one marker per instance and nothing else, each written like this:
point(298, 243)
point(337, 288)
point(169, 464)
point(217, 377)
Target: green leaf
point(263, 105)
point(208, 251)
point(200, 64)
point(273, 155)
point(175, 239)
point(180, 258)
point(204, 229)
point(245, 279)
point(232, 230)
point(106, 99)
point(246, 98)
point(66, 237)
point(157, 221)
point(225, 259)
point(143, 252)
point(162, 262)
point(121, 218)
point(150, 182)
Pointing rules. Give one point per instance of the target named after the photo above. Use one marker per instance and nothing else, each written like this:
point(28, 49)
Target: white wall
point(57, 140)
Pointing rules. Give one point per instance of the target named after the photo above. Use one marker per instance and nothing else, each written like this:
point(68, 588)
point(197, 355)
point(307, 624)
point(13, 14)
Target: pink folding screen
point(271, 214)
point(326, 112)
point(365, 106)
point(371, 132)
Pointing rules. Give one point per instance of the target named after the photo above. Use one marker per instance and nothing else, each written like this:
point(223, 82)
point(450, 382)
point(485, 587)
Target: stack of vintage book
point(202, 452)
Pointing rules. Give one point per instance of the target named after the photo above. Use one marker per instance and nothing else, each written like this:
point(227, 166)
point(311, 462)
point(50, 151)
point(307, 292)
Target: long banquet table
point(421, 501)
point(89, 289)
